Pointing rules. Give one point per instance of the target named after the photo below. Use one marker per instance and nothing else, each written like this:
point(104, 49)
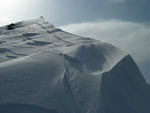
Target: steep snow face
point(43, 68)
point(124, 89)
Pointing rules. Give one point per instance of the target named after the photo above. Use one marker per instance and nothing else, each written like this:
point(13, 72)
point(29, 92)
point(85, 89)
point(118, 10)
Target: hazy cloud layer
point(131, 37)
point(118, 1)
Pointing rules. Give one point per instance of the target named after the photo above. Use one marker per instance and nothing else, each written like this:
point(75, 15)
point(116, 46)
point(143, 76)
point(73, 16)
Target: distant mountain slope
point(55, 71)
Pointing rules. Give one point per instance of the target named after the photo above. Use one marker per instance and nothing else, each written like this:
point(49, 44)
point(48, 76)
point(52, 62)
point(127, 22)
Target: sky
point(123, 23)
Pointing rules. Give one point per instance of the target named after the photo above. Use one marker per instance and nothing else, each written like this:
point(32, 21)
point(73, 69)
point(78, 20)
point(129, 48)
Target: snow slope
point(46, 70)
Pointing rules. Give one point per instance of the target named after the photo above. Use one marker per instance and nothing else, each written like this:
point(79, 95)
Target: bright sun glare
point(7, 7)
point(15, 10)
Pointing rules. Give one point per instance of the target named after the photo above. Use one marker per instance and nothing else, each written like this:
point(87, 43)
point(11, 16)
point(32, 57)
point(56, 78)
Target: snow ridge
point(58, 72)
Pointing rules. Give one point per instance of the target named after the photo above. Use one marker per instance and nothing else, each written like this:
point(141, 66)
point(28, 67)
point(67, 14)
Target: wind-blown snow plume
point(128, 36)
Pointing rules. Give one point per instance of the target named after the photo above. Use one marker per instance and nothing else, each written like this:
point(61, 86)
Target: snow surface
point(46, 70)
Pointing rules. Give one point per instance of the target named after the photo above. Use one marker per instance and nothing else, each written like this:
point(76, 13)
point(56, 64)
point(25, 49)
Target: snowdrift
point(46, 70)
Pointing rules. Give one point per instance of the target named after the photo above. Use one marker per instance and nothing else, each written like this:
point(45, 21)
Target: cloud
point(118, 1)
point(129, 36)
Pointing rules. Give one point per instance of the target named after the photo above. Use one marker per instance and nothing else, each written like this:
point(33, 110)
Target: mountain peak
point(38, 21)
point(53, 70)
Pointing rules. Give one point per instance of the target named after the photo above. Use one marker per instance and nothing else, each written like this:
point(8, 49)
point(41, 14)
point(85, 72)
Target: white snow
point(44, 68)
